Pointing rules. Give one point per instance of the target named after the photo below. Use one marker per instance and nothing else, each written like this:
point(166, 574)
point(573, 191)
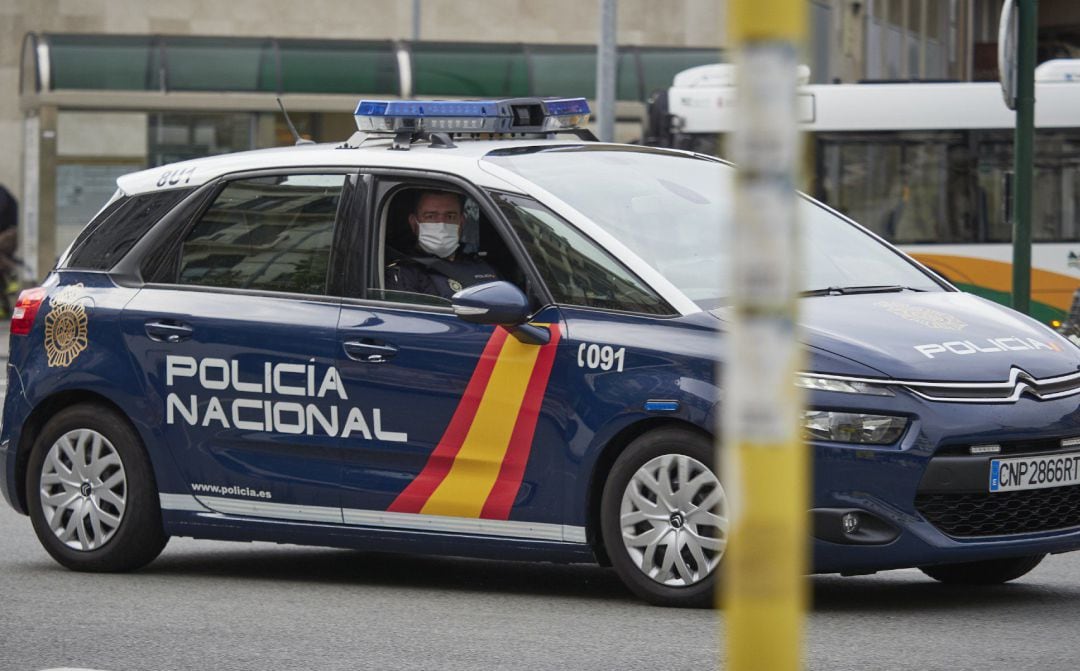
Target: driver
point(436, 264)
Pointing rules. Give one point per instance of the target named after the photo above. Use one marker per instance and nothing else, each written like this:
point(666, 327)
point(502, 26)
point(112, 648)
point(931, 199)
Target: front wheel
point(988, 572)
point(91, 493)
point(664, 518)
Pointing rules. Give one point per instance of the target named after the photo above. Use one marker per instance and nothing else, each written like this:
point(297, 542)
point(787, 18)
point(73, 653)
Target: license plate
point(1048, 470)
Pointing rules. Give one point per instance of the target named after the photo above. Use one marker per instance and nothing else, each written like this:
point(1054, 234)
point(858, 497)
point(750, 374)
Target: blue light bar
point(428, 108)
point(371, 108)
point(510, 115)
point(566, 106)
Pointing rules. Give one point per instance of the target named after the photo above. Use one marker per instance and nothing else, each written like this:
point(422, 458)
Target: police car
point(228, 350)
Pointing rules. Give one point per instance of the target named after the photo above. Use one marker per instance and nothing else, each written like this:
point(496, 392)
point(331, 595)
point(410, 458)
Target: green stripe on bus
point(1041, 311)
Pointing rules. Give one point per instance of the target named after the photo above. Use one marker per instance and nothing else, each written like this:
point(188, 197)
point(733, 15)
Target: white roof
point(461, 160)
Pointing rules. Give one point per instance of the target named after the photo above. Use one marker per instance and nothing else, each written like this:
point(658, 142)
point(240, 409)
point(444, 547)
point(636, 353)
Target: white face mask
point(438, 238)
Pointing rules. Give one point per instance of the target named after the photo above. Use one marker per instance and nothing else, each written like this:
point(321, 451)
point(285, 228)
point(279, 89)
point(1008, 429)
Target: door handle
point(369, 351)
point(163, 330)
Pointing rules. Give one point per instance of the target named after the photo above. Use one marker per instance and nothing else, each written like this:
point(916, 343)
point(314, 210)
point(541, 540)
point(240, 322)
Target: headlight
point(852, 427)
point(842, 386)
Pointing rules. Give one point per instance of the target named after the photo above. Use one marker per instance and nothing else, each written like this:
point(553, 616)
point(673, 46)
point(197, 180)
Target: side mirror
point(500, 303)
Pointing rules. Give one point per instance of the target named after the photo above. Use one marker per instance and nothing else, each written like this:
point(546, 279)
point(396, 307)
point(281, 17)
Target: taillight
point(26, 309)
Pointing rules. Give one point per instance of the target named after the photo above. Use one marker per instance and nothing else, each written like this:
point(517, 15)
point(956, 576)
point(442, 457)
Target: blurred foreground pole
point(1023, 166)
point(764, 462)
point(605, 72)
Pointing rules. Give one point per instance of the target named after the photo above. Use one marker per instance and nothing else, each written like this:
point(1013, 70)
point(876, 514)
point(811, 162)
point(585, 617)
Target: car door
point(235, 331)
point(449, 413)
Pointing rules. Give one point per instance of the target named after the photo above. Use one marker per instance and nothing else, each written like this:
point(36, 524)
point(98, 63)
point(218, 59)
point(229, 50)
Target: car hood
point(935, 336)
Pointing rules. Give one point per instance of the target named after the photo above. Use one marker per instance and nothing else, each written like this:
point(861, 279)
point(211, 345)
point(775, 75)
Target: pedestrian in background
point(9, 240)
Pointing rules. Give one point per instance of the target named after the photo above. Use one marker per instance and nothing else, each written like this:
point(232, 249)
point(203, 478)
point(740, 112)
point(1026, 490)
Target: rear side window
point(576, 270)
point(113, 233)
point(268, 233)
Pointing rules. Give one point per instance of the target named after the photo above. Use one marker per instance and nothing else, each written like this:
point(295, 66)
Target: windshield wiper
point(864, 289)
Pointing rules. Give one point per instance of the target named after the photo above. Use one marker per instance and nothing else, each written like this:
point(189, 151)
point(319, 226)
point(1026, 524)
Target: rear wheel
point(664, 518)
point(91, 492)
point(989, 572)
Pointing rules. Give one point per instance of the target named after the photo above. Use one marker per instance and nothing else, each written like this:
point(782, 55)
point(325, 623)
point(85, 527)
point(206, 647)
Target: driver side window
point(432, 241)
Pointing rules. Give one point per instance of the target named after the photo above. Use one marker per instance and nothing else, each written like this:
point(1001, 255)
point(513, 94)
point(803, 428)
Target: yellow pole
point(764, 466)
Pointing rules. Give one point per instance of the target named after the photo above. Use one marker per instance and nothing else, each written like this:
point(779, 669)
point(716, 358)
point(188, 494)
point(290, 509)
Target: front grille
point(1003, 513)
point(1018, 384)
point(1010, 448)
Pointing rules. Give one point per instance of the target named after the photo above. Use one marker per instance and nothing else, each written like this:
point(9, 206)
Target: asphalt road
point(212, 605)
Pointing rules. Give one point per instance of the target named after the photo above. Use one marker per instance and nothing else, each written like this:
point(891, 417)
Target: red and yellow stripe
point(477, 467)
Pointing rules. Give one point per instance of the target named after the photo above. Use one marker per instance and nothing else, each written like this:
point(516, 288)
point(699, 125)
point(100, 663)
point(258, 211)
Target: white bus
point(922, 164)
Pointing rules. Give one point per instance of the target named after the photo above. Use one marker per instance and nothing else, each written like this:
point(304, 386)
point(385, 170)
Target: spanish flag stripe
point(501, 499)
point(412, 499)
point(476, 466)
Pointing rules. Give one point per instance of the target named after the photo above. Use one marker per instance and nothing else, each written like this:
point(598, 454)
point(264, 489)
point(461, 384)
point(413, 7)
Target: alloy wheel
point(674, 520)
point(83, 489)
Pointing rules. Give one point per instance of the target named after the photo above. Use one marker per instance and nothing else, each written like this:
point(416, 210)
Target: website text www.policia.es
point(233, 490)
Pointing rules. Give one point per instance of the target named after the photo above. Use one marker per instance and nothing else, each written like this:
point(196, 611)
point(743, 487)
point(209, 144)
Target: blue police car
point(472, 330)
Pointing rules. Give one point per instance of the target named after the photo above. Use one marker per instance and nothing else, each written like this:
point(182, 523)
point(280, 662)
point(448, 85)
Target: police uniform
point(425, 274)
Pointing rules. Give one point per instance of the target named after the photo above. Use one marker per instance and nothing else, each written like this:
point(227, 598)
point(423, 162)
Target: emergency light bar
point(510, 115)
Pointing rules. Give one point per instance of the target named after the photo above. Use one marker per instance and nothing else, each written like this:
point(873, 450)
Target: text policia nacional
point(273, 397)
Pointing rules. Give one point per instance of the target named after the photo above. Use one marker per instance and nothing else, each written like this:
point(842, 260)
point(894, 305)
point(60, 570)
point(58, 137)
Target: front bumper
point(935, 495)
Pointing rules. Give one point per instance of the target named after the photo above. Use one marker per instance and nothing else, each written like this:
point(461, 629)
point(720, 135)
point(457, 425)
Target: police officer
point(436, 265)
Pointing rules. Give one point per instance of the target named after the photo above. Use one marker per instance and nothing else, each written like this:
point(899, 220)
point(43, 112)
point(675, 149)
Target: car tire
point(989, 572)
point(666, 539)
point(91, 492)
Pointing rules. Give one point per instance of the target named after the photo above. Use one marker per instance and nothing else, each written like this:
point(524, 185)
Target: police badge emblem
point(928, 317)
point(65, 326)
point(455, 285)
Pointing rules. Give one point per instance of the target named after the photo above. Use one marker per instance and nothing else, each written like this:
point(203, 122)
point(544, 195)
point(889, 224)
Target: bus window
point(1056, 197)
point(947, 187)
point(907, 187)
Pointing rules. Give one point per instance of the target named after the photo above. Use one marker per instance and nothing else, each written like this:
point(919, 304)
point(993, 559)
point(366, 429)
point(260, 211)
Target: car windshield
point(673, 211)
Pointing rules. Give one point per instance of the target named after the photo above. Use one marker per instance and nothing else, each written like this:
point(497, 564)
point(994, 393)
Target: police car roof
point(462, 159)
